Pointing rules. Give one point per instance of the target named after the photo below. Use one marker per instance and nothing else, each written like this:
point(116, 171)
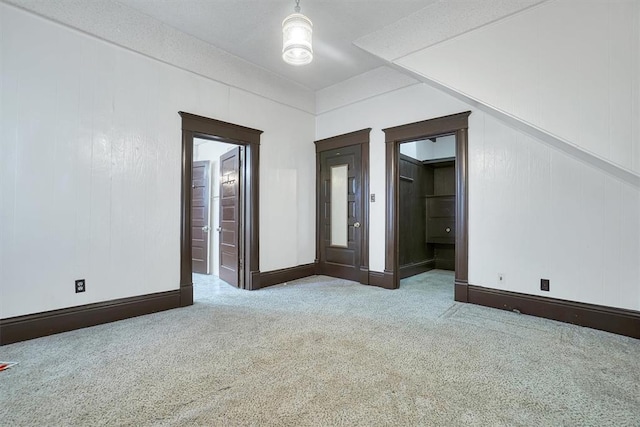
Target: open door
point(200, 217)
point(230, 263)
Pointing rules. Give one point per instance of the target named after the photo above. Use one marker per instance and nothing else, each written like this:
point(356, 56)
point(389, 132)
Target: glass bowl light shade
point(296, 39)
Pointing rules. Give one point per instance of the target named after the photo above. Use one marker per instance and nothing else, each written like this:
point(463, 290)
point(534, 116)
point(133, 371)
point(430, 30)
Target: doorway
point(427, 189)
point(342, 220)
point(216, 207)
point(456, 125)
point(247, 259)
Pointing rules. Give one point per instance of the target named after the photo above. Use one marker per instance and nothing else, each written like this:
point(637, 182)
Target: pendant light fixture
point(296, 38)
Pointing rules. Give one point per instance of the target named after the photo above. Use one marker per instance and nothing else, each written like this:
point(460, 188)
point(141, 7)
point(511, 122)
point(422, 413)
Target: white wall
point(406, 105)
point(570, 68)
point(375, 82)
point(211, 151)
point(534, 212)
point(442, 148)
point(134, 30)
point(90, 167)
point(410, 149)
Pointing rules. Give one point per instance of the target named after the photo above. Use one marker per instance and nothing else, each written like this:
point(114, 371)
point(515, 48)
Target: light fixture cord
point(297, 8)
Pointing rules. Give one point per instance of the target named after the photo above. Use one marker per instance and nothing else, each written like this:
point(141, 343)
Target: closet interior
point(427, 205)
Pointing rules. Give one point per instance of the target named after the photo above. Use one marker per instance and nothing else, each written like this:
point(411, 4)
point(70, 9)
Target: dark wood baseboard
point(363, 276)
point(412, 269)
point(610, 319)
point(461, 291)
point(186, 295)
point(37, 325)
point(255, 282)
point(381, 280)
point(270, 278)
point(445, 264)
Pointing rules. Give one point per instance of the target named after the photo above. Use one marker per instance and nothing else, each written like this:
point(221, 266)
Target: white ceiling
point(251, 29)
point(350, 37)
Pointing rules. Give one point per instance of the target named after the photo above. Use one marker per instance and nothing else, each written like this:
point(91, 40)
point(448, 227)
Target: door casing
point(361, 138)
point(206, 128)
point(458, 125)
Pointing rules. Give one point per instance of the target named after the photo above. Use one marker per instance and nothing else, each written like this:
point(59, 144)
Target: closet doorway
point(455, 125)
point(427, 199)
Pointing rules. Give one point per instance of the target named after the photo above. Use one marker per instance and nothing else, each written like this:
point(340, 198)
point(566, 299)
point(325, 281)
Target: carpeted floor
point(324, 351)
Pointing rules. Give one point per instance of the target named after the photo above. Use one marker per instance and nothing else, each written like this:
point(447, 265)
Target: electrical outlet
point(544, 285)
point(80, 286)
point(373, 198)
point(501, 279)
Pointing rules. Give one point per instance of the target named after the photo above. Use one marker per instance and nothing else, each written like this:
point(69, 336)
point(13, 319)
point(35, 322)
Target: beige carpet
point(323, 351)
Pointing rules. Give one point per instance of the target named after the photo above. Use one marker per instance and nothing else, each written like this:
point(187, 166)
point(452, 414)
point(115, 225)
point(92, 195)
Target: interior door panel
point(340, 260)
point(230, 216)
point(200, 217)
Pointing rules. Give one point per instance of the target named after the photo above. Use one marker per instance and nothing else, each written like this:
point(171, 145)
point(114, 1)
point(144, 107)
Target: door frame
point(458, 125)
point(359, 137)
point(206, 128)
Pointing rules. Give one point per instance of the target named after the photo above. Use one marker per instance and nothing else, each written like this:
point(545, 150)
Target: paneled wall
point(415, 183)
point(90, 167)
point(426, 200)
point(441, 218)
point(132, 29)
point(570, 68)
point(534, 212)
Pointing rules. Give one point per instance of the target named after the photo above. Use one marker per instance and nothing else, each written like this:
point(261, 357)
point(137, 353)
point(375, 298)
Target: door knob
point(356, 224)
point(448, 229)
point(206, 228)
point(219, 229)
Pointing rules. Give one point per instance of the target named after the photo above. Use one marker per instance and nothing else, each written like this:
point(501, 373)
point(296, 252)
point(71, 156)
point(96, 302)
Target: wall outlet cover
point(80, 286)
point(544, 285)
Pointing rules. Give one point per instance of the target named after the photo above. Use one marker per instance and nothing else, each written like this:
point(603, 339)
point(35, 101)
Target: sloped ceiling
point(343, 30)
point(251, 30)
point(234, 41)
point(437, 22)
point(351, 37)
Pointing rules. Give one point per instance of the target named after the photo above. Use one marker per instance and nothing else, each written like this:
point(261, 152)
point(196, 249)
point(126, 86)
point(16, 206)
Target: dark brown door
point(230, 216)
point(200, 218)
point(340, 200)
